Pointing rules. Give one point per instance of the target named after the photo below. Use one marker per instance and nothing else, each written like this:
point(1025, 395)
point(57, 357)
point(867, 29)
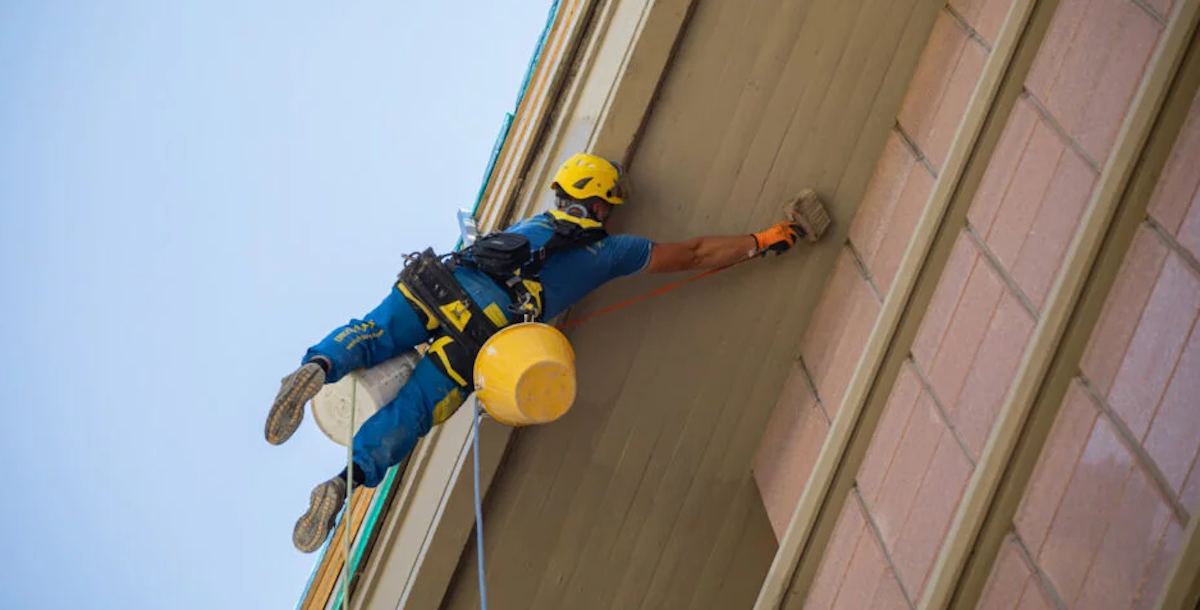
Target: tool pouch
point(501, 255)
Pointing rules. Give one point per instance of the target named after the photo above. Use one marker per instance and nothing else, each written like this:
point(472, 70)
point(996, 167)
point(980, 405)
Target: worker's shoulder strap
point(570, 233)
point(509, 259)
point(503, 255)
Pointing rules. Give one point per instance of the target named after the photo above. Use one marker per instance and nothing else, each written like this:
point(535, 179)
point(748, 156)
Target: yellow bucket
point(525, 374)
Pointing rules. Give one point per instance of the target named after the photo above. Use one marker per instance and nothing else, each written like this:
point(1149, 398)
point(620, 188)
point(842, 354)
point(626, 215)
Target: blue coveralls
point(393, 328)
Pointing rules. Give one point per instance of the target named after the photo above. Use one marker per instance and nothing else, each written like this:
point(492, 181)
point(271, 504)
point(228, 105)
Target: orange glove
point(778, 238)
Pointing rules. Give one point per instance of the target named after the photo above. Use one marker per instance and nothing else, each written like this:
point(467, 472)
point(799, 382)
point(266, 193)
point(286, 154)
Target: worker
point(563, 255)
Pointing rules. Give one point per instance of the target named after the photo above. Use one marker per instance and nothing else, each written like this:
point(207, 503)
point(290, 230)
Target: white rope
point(479, 513)
point(347, 516)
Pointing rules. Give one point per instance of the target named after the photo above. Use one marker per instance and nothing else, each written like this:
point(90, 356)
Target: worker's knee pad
point(448, 405)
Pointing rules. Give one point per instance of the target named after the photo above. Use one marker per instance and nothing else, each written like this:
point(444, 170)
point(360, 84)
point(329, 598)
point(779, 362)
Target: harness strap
point(523, 283)
point(570, 233)
point(459, 326)
point(454, 361)
point(423, 314)
point(438, 293)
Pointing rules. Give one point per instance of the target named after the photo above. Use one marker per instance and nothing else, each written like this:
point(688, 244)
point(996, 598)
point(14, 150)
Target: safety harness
point(458, 325)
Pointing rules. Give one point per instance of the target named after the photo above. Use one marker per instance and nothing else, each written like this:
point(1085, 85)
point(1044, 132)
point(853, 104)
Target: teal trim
point(491, 167)
point(368, 528)
point(506, 124)
point(537, 52)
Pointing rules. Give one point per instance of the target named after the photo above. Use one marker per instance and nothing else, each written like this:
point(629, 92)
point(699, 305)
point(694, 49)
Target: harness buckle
point(526, 307)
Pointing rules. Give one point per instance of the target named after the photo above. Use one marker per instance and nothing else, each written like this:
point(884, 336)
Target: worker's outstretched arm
point(711, 251)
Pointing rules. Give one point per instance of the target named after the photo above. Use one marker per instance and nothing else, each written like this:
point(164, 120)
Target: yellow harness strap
point(586, 223)
point(439, 348)
point(430, 321)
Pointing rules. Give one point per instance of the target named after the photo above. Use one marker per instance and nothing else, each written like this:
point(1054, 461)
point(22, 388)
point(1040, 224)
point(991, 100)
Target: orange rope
point(653, 293)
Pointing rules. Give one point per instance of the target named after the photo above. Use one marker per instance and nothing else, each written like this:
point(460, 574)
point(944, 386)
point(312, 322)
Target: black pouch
point(500, 254)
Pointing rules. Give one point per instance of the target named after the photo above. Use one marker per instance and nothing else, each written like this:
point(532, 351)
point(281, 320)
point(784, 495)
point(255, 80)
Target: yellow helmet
point(584, 176)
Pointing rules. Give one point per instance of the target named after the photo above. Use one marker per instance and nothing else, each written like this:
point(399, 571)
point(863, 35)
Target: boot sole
point(288, 410)
point(807, 210)
point(313, 527)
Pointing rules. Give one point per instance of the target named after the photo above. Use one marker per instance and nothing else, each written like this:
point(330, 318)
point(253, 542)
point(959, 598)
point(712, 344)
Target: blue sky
point(191, 193)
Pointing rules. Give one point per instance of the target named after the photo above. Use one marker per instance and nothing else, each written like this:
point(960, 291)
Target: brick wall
point(947, 73)
point(1124, 449)
point(987, 302)
point(1105, 511)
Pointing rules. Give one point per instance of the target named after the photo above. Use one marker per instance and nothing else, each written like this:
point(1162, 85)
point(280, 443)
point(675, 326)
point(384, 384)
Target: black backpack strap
point(567, 236)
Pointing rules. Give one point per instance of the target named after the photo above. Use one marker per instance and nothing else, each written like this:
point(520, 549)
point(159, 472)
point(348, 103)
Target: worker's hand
point(778, 238)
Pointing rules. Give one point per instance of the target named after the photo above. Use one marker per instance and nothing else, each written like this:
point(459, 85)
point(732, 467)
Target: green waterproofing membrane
point(368, 527)
point(509, 116)
point(389, 481)
point(491, 166)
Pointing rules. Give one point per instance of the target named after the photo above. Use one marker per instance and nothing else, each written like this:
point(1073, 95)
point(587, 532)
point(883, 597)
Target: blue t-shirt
point(569, 276)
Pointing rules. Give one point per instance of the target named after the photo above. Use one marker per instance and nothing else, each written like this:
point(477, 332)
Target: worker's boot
point(288, 411)
point(807, 211)
point(324, 504)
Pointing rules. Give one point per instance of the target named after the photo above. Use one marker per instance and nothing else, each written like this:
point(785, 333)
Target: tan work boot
point(807, 211)
point(288, 411)
point(313, 527)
